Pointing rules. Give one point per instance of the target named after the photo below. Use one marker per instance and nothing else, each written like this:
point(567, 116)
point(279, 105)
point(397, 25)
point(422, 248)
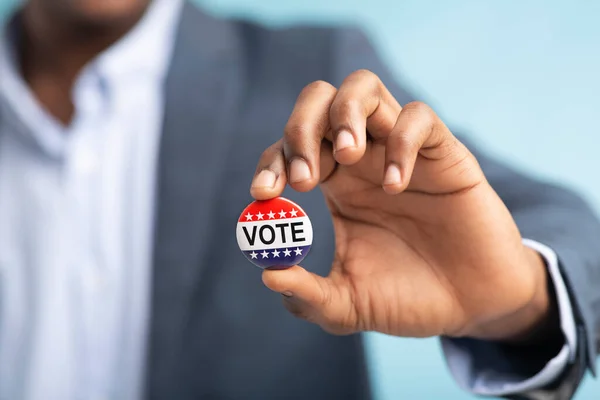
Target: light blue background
point(521, 76)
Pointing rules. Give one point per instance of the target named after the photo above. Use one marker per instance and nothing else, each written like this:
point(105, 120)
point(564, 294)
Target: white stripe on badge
point(275, 234)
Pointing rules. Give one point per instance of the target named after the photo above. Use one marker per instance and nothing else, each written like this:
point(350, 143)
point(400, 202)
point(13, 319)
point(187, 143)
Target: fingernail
point(392, 175)
point(287, 294)
point(344, 140)
point(299, 171)
point(265, 179)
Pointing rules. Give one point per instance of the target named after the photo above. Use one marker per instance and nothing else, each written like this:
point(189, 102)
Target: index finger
point(304, 133)
point(301, 157)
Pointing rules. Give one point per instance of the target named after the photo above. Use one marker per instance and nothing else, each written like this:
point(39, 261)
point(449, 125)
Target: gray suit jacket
point(216, 331)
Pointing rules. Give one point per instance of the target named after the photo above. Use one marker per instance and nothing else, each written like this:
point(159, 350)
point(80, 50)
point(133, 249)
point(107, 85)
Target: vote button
point(275, 233)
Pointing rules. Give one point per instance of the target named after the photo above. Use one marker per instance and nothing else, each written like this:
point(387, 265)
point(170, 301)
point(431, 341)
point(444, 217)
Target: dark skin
point(61, 36)
point(424, 246)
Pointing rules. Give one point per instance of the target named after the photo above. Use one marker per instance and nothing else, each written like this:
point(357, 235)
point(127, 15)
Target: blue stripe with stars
point(281, 257)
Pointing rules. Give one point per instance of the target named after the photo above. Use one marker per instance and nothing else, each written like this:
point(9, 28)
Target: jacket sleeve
point(546, 213)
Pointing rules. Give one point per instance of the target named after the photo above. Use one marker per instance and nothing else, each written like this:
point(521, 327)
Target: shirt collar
point(144, 52)
point(18, 107)
point(146, 49)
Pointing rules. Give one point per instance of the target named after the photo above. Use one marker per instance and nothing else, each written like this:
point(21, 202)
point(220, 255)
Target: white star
point(282, 214)
point(275, 253)
point(248, 217)
point(298, 251)
point(264, 254)
point(293, 212)
point(260, 215)
point(287, 253)
point(253, 255)
point(271, 214)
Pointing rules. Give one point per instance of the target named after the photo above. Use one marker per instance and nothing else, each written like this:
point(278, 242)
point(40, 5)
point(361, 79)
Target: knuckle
point(403, 141)
point(301, 139)
point(345, 107)
point(367, 77)
point(364, 74)
point(319, 86)
point(420, 109)
point(295, 132)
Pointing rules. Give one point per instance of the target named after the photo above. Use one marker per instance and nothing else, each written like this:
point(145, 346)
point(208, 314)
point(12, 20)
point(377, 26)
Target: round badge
point(274, 233)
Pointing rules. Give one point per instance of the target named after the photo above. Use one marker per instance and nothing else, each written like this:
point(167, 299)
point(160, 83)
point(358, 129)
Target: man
point(127, 132)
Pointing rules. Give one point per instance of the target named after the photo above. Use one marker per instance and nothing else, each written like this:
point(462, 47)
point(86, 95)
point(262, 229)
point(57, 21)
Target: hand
point(424, 246)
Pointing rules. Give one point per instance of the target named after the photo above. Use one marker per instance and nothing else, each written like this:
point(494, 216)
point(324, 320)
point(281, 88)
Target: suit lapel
point(202, 93)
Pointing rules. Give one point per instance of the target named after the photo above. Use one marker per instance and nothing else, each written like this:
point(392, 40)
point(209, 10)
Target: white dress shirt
point(76, 217)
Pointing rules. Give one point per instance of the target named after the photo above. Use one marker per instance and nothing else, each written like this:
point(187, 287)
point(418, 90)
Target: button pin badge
point(274, 233)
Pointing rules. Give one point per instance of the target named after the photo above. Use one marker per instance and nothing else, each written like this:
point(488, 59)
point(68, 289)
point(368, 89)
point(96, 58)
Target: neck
point(52, 52)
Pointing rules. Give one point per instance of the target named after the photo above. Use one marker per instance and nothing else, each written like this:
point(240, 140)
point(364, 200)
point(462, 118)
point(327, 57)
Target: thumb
point(313, 298)
point(298, 283)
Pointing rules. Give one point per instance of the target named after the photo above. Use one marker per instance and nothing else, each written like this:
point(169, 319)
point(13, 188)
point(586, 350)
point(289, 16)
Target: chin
point(98, 12)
